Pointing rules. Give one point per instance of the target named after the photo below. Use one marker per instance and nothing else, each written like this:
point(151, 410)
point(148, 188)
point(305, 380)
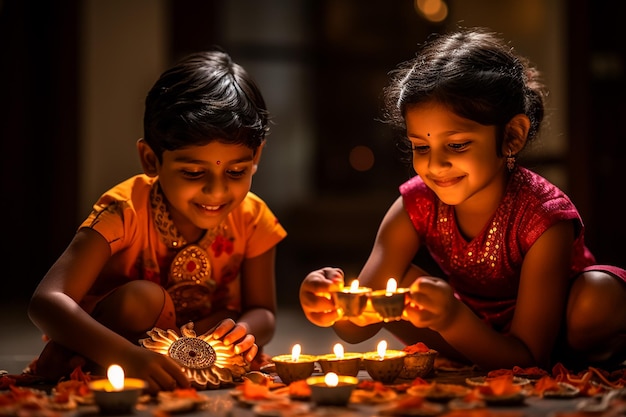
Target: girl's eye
point(458, 147)
point(421, 149)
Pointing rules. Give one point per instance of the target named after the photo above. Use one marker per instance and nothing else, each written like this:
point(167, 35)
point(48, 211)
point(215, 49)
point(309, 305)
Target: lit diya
point(117, 394)
point(351, 301)
point(389, 303)
point(294, 367)
point(331, 389)
point(384, 365)
point(206, 361)
point(340, 362)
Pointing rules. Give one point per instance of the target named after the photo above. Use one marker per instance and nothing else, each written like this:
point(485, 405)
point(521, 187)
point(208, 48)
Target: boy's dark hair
point(475, 74)
point(203, 98)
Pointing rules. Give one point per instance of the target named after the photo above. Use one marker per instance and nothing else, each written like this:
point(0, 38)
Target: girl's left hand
point(232, 333)
point(432, 304)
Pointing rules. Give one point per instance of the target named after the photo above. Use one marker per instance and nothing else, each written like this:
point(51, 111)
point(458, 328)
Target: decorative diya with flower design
point(207, 362)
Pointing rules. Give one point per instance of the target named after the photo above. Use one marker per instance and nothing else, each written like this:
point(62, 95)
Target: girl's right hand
point(315, 296)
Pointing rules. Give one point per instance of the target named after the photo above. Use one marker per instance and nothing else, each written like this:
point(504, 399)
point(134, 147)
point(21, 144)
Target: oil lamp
point(331, 389)
point(384, 365)
point(340, 362)
point(389, 303)
point(117, 394)
point(294, 367)
point(351, 301)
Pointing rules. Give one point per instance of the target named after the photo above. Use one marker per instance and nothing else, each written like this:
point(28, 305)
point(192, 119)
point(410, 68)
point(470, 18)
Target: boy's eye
point(236, 173)
point(192, 174)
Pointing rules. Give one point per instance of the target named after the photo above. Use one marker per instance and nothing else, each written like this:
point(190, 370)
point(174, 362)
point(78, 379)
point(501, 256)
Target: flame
point(331, 379)
point(382, 349)
point(338, 349)
point(295, 352)
point(354, 287)
point(392, 286)
point(115, 373)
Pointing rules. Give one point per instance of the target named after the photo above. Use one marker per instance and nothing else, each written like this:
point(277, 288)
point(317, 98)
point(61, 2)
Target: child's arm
point(257, 320)
point(258, 296)
point(538, 315)
point(55, 310)
point(395, 246)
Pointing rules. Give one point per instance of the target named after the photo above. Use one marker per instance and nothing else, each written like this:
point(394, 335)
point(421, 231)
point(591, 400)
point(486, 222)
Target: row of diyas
point(388, 303)
point(384, 365)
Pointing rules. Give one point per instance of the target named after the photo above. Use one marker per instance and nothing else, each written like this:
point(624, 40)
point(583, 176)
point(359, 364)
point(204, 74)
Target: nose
point(215, 185)
point(438, 161)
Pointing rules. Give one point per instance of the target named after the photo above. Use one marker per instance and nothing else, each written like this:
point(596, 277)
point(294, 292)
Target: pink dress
point(485, 271)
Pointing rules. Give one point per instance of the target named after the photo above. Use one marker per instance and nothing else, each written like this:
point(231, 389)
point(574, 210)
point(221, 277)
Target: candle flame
point(392, 286)
point(295, 352)
point(382, 349)
point(331, 379)
point(338, 349)
point(354, 286)
point(115, 373)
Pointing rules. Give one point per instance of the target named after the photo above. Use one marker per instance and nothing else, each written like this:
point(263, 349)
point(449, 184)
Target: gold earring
point(510, 161)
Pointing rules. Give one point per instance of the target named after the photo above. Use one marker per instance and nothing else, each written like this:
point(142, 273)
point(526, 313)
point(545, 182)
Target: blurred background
point(74, 75)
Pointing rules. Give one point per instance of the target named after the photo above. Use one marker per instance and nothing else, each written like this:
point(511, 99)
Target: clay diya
point(340, 362)
point(117, 394)
point(332, 389)
point(294, 367)
point(389, 303)
point(351, 301)
point(384, 365)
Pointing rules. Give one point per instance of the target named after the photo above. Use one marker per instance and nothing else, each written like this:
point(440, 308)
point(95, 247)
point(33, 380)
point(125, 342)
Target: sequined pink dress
point(485, 271)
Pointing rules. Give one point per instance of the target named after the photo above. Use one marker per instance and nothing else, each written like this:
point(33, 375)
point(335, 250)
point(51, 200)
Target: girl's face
point(203, 184)
point(455, 157)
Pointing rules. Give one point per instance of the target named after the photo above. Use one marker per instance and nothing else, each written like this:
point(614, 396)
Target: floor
point(20, 340)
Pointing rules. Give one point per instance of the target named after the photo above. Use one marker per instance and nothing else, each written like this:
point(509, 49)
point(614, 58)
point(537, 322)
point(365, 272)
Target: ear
point(257, 158)
point(515, 134)
point(149, 160)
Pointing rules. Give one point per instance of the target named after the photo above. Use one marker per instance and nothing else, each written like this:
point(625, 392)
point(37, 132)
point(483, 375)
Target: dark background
point(40, 119)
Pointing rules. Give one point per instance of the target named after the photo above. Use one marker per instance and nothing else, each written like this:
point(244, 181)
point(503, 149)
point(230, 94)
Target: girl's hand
point(432, 304)
point(232, 333)
point(315, 296)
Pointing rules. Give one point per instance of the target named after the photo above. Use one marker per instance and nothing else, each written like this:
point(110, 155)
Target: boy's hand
point(315, 296)
point(232, 333)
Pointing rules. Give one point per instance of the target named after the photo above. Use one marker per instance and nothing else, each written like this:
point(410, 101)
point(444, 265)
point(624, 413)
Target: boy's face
point(203, 184)
point(456, 157)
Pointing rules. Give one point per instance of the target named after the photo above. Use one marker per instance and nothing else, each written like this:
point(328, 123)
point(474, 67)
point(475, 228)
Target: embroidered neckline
point(166, 228)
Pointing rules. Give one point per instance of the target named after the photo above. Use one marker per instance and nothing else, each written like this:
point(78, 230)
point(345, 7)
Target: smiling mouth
point(209, 208)
point(448, 182)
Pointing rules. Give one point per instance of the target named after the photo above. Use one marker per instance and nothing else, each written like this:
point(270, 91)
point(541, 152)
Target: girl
point(518, 287)
point(186, 241)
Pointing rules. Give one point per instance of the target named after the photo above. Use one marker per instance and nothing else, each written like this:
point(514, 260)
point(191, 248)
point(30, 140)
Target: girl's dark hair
point(203, 98)
point(475, 74)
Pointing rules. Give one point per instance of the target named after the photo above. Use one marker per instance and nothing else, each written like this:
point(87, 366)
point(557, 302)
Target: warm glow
point(295, 352)
point(338, 349)
point(115, 373)
point(392, 286)
point(361, 158)
point(354, 286)
point(331, 379)
point(382, 349)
